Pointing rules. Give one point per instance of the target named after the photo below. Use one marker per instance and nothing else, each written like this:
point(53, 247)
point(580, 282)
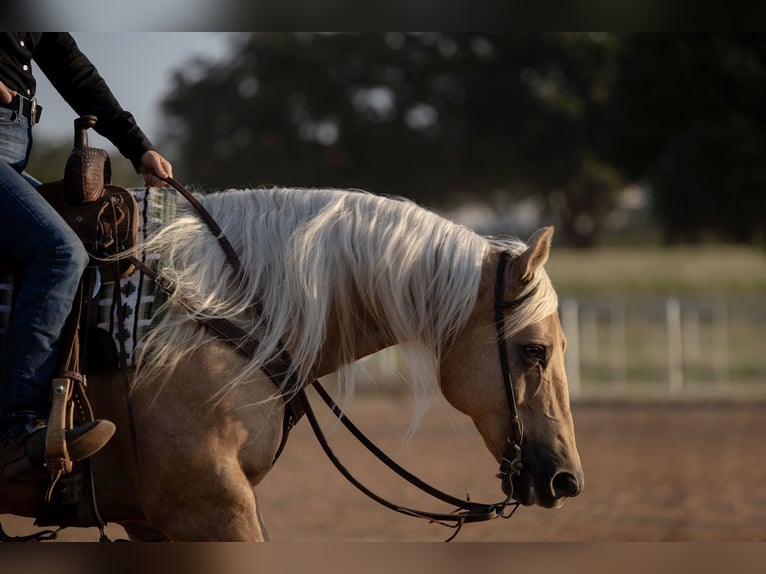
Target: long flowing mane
point(315, 257)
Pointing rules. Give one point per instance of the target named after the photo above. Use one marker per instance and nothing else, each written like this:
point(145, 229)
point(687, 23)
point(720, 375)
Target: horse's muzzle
point(529, 489)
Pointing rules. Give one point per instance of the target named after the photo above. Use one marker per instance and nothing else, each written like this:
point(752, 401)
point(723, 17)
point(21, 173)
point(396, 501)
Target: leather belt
point(26, 107)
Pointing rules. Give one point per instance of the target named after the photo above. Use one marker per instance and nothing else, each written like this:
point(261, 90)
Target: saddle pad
point(141, 297)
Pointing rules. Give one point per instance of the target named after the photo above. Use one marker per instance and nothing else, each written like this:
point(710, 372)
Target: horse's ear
point(525, 265)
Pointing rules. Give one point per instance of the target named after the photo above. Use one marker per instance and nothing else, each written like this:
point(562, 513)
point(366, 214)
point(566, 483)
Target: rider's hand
point(154, 167)
point(6, 94)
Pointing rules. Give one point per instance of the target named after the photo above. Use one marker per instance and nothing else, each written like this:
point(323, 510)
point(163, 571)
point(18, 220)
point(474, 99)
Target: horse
point(330, 276)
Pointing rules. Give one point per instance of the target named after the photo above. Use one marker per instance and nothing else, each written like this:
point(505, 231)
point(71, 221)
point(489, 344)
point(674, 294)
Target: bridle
point(510, 463)
point(466, 511)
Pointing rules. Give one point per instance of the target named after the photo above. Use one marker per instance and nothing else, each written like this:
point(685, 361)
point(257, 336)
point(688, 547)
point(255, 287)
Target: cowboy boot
point(23, 456)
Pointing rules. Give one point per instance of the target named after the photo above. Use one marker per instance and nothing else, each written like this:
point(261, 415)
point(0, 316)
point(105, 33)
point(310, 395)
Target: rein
point(211, 223)
point(466, 511)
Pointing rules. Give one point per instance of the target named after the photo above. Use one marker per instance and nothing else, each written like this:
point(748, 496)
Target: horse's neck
point(367, 335)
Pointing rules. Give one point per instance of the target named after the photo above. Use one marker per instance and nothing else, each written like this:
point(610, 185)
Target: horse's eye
point(534, 352)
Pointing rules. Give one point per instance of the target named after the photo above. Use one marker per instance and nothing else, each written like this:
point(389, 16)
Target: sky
point(137, 67)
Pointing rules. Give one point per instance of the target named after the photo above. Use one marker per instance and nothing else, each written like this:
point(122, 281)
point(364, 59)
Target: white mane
point(308, 255)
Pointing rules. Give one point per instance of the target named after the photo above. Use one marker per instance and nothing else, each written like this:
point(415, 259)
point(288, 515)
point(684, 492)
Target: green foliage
point(426, 116)
point(567, 118)
point(690, 108)
point(48, 159)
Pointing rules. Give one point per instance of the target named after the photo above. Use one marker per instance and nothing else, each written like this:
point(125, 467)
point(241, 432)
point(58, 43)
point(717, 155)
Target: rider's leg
point(54, 259)
point(33, 233)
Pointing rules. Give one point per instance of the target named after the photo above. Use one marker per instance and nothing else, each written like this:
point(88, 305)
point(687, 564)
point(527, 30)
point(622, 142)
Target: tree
point(693, 124)
point(421, 115)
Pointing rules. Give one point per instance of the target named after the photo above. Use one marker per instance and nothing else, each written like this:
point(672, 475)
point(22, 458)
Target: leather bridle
point(466, 511)
point(510, 464)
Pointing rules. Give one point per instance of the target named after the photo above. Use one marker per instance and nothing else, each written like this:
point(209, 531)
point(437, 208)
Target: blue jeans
point(33, 234)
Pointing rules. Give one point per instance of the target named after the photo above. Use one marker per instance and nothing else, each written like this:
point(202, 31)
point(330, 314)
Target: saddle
point(105, 218)
point(103, 215)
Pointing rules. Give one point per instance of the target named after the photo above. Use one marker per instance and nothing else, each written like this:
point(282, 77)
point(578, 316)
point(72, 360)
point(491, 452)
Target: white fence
point(643, 347)
point(691, 346)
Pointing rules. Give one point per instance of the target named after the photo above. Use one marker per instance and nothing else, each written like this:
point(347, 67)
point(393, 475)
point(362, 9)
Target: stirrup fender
point(56, 453)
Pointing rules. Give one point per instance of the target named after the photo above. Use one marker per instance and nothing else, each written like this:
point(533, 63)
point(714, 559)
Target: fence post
point(618, 342)
point(675, 345)
point(571, 323)
point(721, 341)
point(587, 320)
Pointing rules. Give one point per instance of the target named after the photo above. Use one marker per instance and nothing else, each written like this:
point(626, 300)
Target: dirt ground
point(654, 472)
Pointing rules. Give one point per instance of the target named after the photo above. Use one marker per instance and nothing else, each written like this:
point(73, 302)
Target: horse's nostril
point(565, 484)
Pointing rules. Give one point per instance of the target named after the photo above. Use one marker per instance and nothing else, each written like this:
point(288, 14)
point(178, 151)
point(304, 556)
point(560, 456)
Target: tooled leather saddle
point(103, 215)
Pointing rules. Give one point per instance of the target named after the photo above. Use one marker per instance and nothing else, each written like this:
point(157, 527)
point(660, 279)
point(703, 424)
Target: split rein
point(466, 511)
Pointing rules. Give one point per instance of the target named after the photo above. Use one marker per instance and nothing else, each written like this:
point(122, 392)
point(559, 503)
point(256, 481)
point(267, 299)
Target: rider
point(32, 233)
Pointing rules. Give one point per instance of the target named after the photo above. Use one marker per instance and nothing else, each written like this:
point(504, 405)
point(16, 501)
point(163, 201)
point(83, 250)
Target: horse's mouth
point(524, 488)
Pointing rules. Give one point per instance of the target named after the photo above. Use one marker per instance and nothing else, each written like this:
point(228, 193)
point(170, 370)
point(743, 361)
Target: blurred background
point(645, 150)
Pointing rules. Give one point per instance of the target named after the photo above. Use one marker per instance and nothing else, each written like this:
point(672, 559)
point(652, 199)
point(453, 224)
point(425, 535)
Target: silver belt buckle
point(33, 111)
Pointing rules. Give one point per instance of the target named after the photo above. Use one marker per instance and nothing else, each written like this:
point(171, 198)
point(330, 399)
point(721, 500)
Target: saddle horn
point(88, 170)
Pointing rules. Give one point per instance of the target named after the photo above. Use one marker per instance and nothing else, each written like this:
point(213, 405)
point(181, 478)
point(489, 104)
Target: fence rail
point(692, 346)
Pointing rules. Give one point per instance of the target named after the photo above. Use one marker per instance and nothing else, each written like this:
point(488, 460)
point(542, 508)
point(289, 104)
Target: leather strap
point(243, 343)
point(510, 463)
point(117, 300)
point(56, 453)
point(25, 107)
point(211, 223)
point(467, 511)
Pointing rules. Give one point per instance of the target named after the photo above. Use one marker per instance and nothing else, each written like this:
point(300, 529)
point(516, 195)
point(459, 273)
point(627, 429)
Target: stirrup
point(64, 446)
point(56, 453)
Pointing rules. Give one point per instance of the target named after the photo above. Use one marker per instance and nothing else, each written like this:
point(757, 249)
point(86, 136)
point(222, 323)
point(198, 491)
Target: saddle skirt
point(141, 296)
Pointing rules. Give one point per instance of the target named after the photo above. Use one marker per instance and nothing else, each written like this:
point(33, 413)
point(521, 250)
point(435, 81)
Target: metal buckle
point(33, 107)
point(163, 283)
point(32, 111)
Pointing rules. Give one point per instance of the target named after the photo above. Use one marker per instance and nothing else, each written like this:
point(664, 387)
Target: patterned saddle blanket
point(141, 296)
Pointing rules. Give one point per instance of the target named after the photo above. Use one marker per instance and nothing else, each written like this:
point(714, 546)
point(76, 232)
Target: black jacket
point(76, 79)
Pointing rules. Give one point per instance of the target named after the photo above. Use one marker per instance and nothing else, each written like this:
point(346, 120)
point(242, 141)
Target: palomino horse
point(335, 276)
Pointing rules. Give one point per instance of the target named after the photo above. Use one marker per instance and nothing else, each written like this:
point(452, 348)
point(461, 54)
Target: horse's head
point(472, 376)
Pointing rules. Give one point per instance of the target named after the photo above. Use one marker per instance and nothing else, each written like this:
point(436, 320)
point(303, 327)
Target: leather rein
point(466, 511)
